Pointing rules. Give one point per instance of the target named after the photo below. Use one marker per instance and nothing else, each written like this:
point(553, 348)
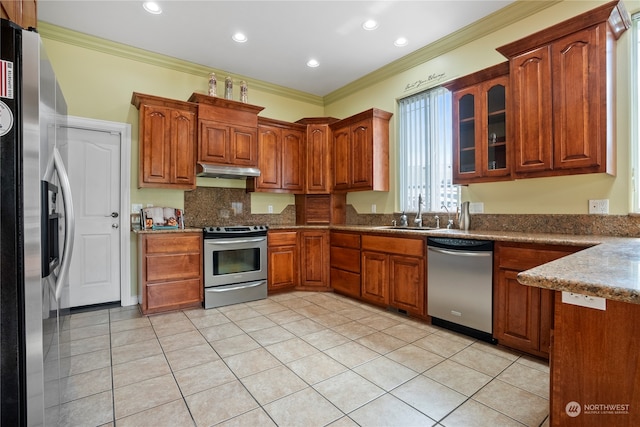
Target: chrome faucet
point(450, 221)
point(418, 219)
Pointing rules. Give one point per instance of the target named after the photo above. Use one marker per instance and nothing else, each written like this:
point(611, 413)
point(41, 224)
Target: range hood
point(229, 172)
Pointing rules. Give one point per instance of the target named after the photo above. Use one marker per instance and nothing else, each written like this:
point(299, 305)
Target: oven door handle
point(236, 288)
point(232, 242)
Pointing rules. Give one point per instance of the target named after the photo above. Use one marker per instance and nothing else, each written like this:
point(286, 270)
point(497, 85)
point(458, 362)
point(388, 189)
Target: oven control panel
point(235, 230)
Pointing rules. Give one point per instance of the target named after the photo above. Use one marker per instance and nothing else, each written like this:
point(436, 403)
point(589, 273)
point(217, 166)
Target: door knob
point(112, 215)
point(114, 225)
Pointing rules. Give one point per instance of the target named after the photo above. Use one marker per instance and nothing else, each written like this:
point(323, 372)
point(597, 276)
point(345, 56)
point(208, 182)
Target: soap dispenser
point(464, 216)
point(403, 220)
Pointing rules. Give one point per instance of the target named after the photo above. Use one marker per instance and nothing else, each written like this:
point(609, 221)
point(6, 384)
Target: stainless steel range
point(235, 264)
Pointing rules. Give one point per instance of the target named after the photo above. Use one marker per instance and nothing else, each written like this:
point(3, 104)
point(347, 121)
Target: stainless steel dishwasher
point(460, 285)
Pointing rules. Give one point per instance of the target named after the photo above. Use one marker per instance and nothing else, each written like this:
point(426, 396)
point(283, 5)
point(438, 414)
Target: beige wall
point(554, 195)
point(98, 83)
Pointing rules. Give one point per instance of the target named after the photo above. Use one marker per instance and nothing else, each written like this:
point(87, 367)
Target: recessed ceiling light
point(401, 41)
point(313, 63)
point(370, 25)
point(152, 7)
point(239, 37)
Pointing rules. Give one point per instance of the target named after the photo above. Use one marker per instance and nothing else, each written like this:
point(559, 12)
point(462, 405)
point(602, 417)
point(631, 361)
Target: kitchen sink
point(397, 227)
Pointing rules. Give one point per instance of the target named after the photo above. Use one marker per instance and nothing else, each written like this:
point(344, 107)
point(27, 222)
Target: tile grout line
point(310, 317)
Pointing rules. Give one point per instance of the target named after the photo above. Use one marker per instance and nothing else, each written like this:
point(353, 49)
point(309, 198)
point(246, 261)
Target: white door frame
point(124, 130)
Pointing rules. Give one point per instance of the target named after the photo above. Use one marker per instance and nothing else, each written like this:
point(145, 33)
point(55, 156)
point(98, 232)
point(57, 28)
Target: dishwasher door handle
point(460, 253)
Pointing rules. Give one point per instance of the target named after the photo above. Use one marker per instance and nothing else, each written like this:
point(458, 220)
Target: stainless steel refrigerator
point(36, 234)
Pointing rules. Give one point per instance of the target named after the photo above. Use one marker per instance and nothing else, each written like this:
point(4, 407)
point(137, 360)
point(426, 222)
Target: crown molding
point(514, 12)
point(64, 35)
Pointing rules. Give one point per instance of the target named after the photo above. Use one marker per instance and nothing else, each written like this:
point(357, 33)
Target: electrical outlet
point(136, 207)
point(476, 207)
point(599, 207)
point(270, 209)
point(373, 208)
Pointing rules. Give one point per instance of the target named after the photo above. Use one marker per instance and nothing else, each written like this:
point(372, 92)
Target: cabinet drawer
point(346, 240)
point(172, 243)
point(345, 259)
point(168, 295)
point(172, 267)
point(285, 238)
point(345, 282)
point(524, 258)
point(394, 245)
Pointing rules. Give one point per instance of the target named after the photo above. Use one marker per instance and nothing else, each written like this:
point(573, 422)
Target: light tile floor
point(294, 359)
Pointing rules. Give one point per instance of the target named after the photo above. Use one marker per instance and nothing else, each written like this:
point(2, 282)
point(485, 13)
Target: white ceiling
point(282, 35)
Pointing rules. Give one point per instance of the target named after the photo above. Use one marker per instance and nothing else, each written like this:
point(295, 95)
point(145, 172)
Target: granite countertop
point(174, 230)
point(609, 267)
point(609, 270)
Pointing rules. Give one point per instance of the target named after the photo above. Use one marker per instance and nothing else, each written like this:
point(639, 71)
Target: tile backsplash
point(206, 206)
point(232, 206)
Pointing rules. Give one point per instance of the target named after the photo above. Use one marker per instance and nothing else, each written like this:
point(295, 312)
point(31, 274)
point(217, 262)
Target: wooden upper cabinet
point(22, 12)
point(482, 143)
point(227, 131)
point(531, 112)
point(361, 152)
point(166, 143)
point(579, 105)
point(281, 149)
point(562, 94)
point(318, 154)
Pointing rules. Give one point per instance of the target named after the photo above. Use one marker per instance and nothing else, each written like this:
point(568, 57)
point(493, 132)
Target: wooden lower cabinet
point(282, 255)
point(595, 365)
point(314, 260)
point(345, 263)
point(393, 272)
point(407, 283)
point(375, 277)
point(523, 314)
point(170, 271)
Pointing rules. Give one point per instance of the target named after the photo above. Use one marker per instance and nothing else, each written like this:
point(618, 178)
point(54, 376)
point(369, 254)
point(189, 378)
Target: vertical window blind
point(425, 157)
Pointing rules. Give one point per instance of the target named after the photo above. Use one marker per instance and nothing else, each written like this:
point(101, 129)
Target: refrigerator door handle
point(56, 164)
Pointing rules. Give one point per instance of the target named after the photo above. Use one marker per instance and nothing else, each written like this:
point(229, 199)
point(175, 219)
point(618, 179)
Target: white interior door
point(94, 174)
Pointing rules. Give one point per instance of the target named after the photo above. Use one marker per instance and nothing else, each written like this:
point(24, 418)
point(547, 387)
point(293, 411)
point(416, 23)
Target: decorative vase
point(228, 88)
point(213, 85)
point(244, 92)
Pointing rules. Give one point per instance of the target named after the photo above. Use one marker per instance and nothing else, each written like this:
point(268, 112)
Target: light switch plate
point(584, 300)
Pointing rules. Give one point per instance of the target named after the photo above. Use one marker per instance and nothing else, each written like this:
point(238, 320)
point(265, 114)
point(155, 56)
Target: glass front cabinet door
point(481, 143)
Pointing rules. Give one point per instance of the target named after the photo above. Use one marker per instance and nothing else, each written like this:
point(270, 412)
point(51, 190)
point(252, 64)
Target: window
point(425, 161)
point(635, 111)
